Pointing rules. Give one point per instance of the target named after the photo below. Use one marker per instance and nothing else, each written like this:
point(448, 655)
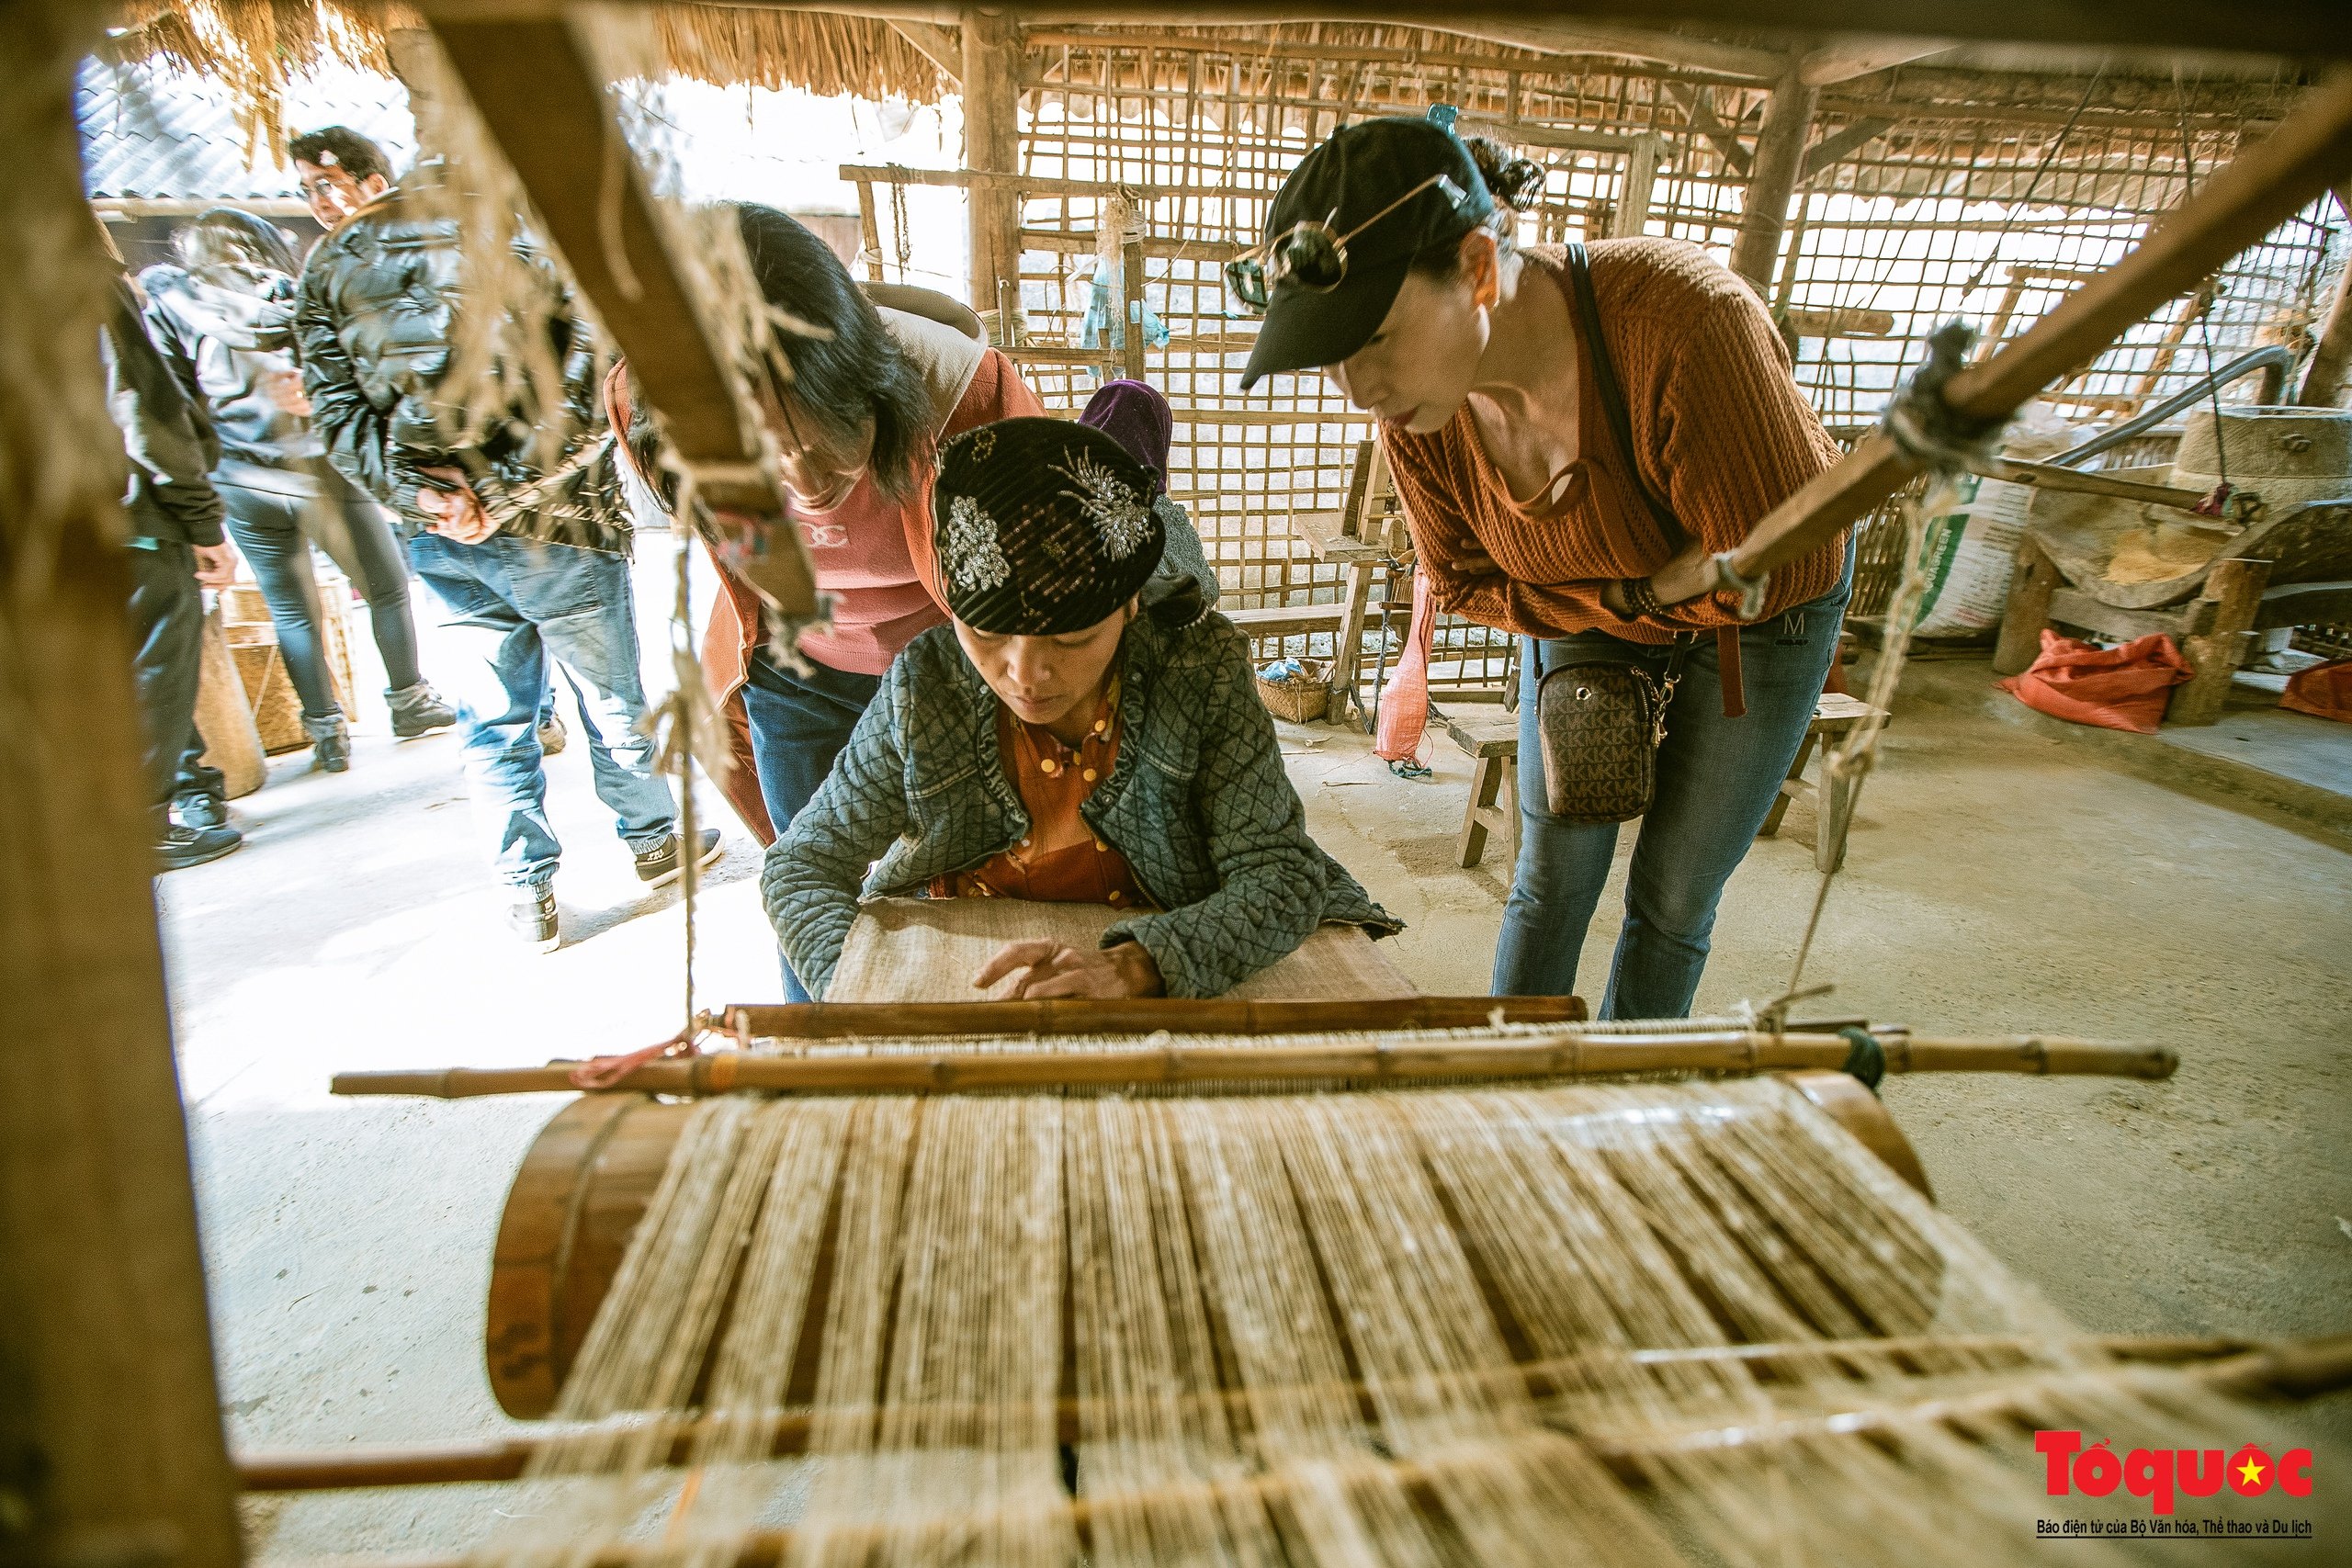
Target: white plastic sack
point(1970, 550)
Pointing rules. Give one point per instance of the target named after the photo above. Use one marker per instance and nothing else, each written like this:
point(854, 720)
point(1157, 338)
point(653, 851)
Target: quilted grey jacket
point(1198, 804)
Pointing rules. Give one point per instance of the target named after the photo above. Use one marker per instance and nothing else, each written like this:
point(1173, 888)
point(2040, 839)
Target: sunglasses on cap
point(1312, 256)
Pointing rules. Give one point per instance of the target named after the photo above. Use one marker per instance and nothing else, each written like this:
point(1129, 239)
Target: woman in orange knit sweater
point(1534, 508)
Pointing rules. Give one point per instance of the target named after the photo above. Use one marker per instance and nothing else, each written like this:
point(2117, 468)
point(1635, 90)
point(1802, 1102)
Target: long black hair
point(858, 373)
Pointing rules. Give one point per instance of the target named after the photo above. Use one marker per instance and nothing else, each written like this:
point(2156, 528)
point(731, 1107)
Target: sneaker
point(201, 808)
point(660, 864)
point(551, 735)
point(532, 917)
point(330, 742)
point(181, 847)
point(418, 710)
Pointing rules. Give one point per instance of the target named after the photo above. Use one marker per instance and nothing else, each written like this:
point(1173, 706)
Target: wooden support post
point(2324, 379)
point(2235, 590)
point(1633, 199)
point(111, 1449)
point(992, 145)
point(1780, 155)
point(2037, 578)
point(869, 231)
point(1132, 341)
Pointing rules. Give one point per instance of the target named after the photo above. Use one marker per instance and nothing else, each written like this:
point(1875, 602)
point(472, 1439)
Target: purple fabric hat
point(1136, 416)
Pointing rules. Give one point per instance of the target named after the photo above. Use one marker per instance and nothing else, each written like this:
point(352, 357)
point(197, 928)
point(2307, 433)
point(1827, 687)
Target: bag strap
point(1612, 394)
point(1621, 429)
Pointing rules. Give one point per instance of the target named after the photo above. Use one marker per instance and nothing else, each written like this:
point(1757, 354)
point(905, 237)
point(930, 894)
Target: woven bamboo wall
point(1934, 193)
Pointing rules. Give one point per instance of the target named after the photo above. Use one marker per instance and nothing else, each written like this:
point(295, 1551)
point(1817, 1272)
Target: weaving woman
point(1563, 422)
point(1059, 741)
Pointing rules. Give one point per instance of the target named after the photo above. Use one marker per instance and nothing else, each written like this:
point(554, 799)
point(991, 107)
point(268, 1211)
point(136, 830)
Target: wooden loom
point(579, 1205)
point(113, 1262)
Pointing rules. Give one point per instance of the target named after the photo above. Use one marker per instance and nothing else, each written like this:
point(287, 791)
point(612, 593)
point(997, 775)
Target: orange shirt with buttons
point(1061, 860)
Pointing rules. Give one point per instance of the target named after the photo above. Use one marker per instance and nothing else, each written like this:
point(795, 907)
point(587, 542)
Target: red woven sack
point(2114, 688)
point(2324, 691)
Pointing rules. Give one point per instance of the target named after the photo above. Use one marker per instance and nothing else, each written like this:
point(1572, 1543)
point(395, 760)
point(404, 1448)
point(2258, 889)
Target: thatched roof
point(254, 46)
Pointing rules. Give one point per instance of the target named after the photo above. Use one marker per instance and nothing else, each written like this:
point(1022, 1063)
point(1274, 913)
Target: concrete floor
point(1998, 881)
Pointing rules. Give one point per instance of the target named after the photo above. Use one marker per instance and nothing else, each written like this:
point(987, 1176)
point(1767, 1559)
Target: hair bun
point(1508, 178)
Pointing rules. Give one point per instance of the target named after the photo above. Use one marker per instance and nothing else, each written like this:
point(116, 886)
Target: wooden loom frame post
point(534, 81)
point(111, 1447)
point(2233, 209)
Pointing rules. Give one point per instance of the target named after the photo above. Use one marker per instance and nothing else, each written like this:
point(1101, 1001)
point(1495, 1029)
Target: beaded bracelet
point(1641, 598)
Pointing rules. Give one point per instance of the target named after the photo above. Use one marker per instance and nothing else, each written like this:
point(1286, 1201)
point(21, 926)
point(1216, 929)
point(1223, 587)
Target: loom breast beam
point(2311, 150)
point(534, 81)
point(1566, 1054)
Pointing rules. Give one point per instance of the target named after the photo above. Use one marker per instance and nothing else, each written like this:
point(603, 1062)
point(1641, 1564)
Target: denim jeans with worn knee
point(517, 604)
point(1717, 778)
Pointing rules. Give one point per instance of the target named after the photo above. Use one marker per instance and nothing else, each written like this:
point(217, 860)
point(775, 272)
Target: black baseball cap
point(1344, 183)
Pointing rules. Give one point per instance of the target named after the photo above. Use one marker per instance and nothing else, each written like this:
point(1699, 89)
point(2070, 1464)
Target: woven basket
point(1301, 700)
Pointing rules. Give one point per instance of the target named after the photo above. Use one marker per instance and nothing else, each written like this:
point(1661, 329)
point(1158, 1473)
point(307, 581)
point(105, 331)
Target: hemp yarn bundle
point(1427, 1326)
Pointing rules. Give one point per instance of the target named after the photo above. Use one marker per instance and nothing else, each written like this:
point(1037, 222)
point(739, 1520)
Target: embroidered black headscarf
point(1043, 527)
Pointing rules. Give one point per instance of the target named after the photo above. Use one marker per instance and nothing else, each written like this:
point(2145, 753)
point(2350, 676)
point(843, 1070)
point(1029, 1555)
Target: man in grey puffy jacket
point(175, 515)
point(519, 529)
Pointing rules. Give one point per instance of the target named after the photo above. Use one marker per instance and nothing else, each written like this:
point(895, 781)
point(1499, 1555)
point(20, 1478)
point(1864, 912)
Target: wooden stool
point(1833, 715)
point(1492, 743)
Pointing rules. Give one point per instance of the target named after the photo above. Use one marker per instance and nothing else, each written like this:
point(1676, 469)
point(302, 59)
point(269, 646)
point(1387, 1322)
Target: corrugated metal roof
point(161, 135)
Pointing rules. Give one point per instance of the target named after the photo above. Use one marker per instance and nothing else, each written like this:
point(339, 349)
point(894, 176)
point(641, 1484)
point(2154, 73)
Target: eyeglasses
point(1311, 256)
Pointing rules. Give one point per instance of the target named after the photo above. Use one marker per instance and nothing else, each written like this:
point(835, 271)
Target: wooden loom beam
point(1138, 1015)
point(1569, 1055)
point(2234, 209)
point(532, 79)
point(2291, 1369)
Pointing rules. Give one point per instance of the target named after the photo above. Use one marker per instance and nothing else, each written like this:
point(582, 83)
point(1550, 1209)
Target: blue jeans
point(799, 724)
point(520, 605)
point(1717, 777)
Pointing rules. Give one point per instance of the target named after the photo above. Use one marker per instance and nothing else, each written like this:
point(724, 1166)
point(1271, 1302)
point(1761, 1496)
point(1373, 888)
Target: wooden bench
point(1833, 716)
point(1491, 739)
point(1288, 620)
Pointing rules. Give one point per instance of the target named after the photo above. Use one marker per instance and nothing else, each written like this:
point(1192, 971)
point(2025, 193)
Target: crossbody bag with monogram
point(1601, 721)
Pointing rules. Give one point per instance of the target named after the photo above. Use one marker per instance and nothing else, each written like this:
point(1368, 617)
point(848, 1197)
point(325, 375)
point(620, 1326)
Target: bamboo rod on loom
point(2258, 190)
point(1567, 1054)
point(1137, 1015)
point(2289, 1369)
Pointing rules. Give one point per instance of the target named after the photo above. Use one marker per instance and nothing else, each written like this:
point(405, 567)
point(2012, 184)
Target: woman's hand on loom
point(1125, 970)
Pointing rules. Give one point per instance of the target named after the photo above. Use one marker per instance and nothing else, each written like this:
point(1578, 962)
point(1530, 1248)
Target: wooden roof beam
point(936, 44)
point(1849, 57)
